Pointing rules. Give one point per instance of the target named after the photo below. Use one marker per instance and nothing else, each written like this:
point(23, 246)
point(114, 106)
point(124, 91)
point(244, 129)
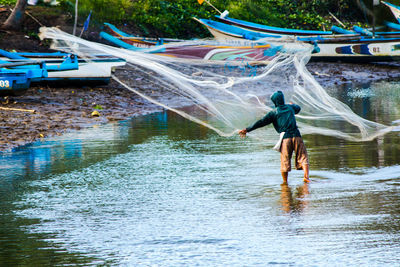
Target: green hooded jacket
point(282, 117)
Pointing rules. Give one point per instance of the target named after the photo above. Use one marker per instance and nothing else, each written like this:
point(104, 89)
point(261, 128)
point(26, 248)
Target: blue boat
point(226, 32)
point(69, 61)
point(361, 47)
point(16, 76)
point(138, 41)
point(259, 28)
point(63, 67)
point(219, 29)
point(18, 72)
point(215, 51)
point(269, 29)
point(17, 80)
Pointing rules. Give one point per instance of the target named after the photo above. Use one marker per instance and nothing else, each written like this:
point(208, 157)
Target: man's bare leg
point(306, 173)
point(284, 177)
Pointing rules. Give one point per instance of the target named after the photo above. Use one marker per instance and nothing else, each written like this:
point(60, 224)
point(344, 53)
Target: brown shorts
point(288, 146)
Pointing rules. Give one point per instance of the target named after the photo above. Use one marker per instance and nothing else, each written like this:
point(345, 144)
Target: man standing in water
point(284, 121)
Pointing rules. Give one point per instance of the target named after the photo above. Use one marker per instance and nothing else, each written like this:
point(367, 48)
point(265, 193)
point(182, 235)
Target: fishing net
point(227, 95)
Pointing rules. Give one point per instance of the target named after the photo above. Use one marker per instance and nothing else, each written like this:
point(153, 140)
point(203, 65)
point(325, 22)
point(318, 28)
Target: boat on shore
point(226, 32)
point(16, 77)
point(138, 41)
point(210, 50)
point(63, 67)
point(361, 47)
point(260, 28)
point(335, 30)
point(269, 29)
point(19, 70)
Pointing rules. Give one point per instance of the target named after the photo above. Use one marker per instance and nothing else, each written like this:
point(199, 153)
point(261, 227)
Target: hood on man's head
point(278, 98)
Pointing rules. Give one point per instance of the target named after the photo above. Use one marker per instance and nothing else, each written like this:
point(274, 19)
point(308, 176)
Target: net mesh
point(225, 95)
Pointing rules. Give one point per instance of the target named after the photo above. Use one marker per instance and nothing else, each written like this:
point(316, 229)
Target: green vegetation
point(173, 18)
point(152, 17)
point(7, 2)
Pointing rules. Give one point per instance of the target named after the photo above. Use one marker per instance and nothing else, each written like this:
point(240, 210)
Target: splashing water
point(228, 96)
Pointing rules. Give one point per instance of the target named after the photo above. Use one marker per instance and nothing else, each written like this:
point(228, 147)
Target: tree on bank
point(14, 21)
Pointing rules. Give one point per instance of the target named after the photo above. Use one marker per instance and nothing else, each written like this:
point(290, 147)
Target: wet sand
point(64, 109)
point(331, 74)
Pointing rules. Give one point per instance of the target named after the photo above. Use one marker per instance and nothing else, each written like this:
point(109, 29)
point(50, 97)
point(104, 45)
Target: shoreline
point(59, 110)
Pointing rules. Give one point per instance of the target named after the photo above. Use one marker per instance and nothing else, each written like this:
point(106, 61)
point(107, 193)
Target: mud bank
point(47, 111)
point(336, 73)
point(63, 109)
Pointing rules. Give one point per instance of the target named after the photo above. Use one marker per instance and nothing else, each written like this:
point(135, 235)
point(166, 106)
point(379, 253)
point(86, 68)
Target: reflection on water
point(297, 202)
point(160, 190)
point(378, 102)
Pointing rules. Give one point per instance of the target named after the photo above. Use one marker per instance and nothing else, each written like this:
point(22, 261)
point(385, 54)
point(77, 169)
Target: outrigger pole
point(201, 2)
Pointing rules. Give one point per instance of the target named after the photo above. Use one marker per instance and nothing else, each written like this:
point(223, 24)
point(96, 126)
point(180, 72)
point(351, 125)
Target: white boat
point(349, 48)
point(97, 69)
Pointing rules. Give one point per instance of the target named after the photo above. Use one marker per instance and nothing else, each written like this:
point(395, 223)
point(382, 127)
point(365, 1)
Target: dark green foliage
point(169, 18)
point(8, 2)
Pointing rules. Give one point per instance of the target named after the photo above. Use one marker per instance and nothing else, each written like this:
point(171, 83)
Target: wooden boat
point(257, 53)
point(269, 29)
point(63, 67)
point(222, 31)
point(345, 47)
point(188, 51)
point(226, 32)
point(260, 28)
point(138, 41)
point(216, 52)
point(362, 50)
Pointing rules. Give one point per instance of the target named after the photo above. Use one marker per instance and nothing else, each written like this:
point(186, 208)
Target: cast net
point(227, 95)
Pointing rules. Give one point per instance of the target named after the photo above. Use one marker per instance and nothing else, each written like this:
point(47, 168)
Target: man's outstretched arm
point(267, 119)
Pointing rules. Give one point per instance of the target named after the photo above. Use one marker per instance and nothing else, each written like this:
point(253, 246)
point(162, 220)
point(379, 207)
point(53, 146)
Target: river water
point(159, 190)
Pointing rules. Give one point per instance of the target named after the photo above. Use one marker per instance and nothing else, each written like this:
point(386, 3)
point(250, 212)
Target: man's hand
point(242, 133)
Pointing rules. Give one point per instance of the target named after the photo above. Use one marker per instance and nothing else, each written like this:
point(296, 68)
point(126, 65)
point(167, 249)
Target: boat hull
point(16, 77)
point(347, 49)
point(14, 83)
point(366, 51)
point(95, 70)
point(269, 29)
point(91, 71)
point(236, 51)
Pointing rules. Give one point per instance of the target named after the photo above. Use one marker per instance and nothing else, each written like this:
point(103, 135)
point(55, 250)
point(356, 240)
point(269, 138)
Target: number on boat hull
point(4, 83)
